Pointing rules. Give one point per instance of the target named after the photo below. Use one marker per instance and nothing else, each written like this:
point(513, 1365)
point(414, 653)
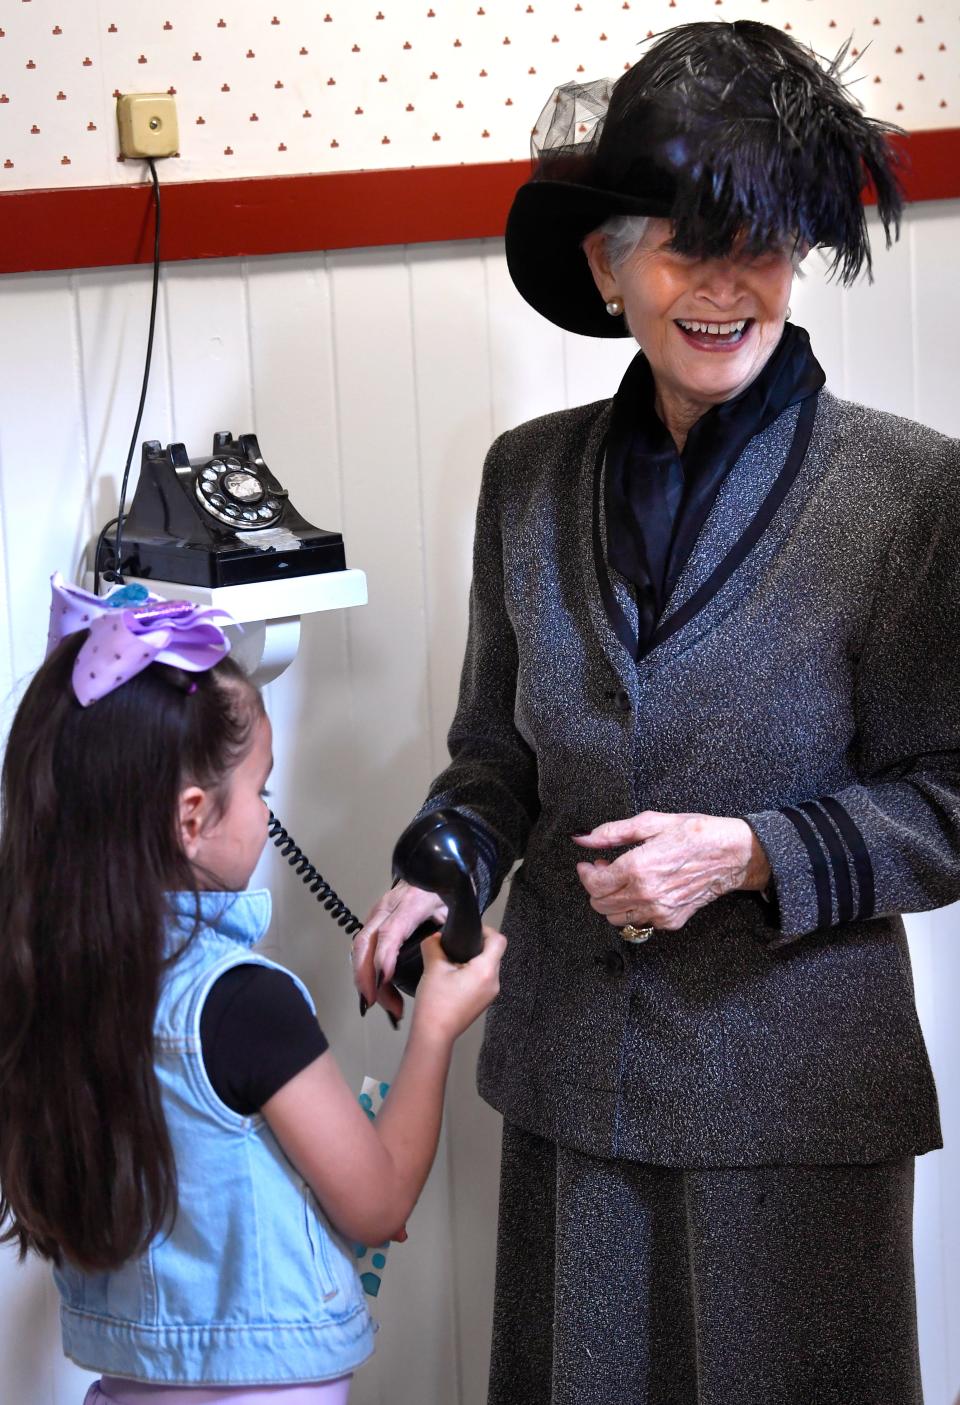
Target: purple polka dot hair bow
point(129, 630)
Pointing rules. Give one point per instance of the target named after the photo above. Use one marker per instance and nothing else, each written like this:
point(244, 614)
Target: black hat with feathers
point(731, 131)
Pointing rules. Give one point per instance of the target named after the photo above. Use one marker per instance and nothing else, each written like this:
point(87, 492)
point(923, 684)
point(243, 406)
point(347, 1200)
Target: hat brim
point(547, 224)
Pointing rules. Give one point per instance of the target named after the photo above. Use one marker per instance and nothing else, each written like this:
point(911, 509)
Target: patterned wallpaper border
point(91, 226)
point(291, 87)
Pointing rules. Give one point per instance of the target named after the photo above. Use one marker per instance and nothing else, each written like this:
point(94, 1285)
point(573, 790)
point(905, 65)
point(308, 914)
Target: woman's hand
point(398, 913)
point(678, 864)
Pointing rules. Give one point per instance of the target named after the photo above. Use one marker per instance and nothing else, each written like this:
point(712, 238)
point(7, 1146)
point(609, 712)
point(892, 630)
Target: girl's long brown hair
point(88, 850)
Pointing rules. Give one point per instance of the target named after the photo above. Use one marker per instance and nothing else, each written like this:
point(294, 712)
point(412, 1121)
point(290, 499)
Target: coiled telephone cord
point(321, 889)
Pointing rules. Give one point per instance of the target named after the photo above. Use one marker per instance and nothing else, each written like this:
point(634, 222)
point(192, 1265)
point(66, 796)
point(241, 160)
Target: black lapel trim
point(838, 859)
point(618, 620)
point(758, 525)
point(858, 849)
point(821, 876)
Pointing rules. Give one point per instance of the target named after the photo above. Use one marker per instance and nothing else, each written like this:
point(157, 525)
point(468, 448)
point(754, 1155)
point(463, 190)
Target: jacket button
point(611, 961)
point(622, 699)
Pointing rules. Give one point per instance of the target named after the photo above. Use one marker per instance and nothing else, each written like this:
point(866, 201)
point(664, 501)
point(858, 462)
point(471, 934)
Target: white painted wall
point(375, 380)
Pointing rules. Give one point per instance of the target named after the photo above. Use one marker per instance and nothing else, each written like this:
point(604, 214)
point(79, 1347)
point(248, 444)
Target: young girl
point(174, 1134)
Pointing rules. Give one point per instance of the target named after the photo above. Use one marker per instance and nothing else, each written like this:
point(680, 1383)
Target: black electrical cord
point(116, 574)
point(99, 548)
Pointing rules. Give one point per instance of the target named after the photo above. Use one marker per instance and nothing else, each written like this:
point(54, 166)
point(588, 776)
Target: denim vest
point(251, 1285)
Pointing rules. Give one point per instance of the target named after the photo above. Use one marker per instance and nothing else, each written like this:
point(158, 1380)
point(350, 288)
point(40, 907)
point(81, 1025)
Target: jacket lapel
point(597, 580)
point(758, 502)
point(755, 510)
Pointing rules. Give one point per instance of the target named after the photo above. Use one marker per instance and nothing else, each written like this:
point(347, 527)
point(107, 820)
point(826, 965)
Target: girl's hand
point(451, 996)
point(398, 913)
point(678, 865)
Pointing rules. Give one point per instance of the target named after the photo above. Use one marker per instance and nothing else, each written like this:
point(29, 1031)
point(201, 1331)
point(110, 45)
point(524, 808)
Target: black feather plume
point(757, 140)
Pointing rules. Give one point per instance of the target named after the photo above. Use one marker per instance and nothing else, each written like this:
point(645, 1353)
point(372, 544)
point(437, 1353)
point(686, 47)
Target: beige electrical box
point(148, 124)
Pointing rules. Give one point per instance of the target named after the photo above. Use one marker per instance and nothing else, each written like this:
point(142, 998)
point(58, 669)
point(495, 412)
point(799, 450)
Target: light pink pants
point(111, 1391)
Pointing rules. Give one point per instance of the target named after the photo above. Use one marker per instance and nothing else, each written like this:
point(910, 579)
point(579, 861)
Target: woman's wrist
point(757, 872)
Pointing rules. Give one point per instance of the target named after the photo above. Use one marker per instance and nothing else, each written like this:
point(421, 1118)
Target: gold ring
point(630, 933)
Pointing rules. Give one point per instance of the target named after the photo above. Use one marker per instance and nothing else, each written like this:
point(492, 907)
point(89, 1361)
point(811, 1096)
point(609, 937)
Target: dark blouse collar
point(657, 500)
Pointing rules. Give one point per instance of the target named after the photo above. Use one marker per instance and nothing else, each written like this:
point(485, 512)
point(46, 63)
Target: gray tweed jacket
point(806, 677)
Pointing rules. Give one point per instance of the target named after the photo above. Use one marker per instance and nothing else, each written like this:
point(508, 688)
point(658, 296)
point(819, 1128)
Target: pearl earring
point(615, 307)
point(787, 314)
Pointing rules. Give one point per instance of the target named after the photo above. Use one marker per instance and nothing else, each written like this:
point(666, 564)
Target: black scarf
point(657, 499)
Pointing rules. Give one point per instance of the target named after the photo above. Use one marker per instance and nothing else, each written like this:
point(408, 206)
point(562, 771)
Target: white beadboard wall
point(375, 380)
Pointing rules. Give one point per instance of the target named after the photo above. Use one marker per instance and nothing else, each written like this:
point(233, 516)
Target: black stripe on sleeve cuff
point(818, 864)
point(487, 848)
point(838, 859)
point(854, 841)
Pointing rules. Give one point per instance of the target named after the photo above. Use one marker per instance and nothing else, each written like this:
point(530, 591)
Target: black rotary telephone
point(435, 852)
point(215, 521)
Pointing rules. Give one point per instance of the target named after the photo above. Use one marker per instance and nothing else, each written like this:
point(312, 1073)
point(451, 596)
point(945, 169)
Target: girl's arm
point(368, 1176)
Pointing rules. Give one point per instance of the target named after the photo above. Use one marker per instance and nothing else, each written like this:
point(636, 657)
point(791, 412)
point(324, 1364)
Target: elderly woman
point(711, 699)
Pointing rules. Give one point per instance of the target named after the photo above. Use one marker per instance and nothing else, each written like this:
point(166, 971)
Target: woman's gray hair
point(622, 234)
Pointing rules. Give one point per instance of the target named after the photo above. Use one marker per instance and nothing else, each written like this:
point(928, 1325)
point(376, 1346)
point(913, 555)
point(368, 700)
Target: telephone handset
point(216, 521)
point(435, 852)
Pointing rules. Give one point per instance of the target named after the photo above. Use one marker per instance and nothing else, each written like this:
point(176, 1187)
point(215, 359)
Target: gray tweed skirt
point(648, 1285)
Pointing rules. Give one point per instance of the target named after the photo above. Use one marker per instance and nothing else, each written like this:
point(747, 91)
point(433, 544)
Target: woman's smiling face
point(706, 325)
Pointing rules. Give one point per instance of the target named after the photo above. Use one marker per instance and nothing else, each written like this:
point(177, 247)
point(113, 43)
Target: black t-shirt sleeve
point(256, 1033)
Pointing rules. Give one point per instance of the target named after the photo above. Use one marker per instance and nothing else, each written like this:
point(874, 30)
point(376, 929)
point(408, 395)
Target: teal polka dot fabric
point(371, 1259)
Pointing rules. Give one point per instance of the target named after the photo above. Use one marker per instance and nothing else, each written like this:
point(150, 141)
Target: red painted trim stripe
point(97, 226)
